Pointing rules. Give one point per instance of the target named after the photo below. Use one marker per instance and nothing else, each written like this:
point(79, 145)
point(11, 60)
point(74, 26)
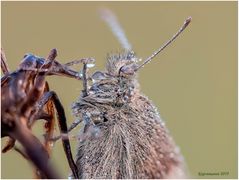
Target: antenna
point(111, 20)
point(186, 23)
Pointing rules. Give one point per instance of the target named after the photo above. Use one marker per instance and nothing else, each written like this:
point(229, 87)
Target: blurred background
point(193, 82)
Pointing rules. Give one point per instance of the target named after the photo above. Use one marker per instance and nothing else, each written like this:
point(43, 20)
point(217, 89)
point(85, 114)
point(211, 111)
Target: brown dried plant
point(26, 98)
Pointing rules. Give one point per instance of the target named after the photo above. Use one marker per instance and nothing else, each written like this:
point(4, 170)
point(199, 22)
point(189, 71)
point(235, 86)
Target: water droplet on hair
point(171, 155)
point(96, 132)
point(134, 59)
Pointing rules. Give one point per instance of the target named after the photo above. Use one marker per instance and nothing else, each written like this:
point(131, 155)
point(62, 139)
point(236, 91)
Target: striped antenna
point(186, 23)
point(111, 20)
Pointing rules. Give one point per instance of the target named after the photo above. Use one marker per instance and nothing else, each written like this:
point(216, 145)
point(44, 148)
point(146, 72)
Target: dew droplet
point(171, 155)
point(51, 144)
point(90, 65)
point(20, 82)
point(80, 74)
point(134, 59)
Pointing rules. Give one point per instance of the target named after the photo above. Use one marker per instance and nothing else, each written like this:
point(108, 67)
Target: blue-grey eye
point(98, 75)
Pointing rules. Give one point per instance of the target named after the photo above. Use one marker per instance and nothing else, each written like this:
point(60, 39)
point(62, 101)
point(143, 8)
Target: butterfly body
point(126, 137)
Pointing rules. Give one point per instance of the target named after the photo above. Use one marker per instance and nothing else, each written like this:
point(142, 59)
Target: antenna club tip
point(188, 20)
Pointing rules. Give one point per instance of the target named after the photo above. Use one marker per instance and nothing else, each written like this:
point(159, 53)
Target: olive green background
point(193, 82)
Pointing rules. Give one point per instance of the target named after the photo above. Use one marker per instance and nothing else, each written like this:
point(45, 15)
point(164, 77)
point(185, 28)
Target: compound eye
point(128, 69)
point(98, 75)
